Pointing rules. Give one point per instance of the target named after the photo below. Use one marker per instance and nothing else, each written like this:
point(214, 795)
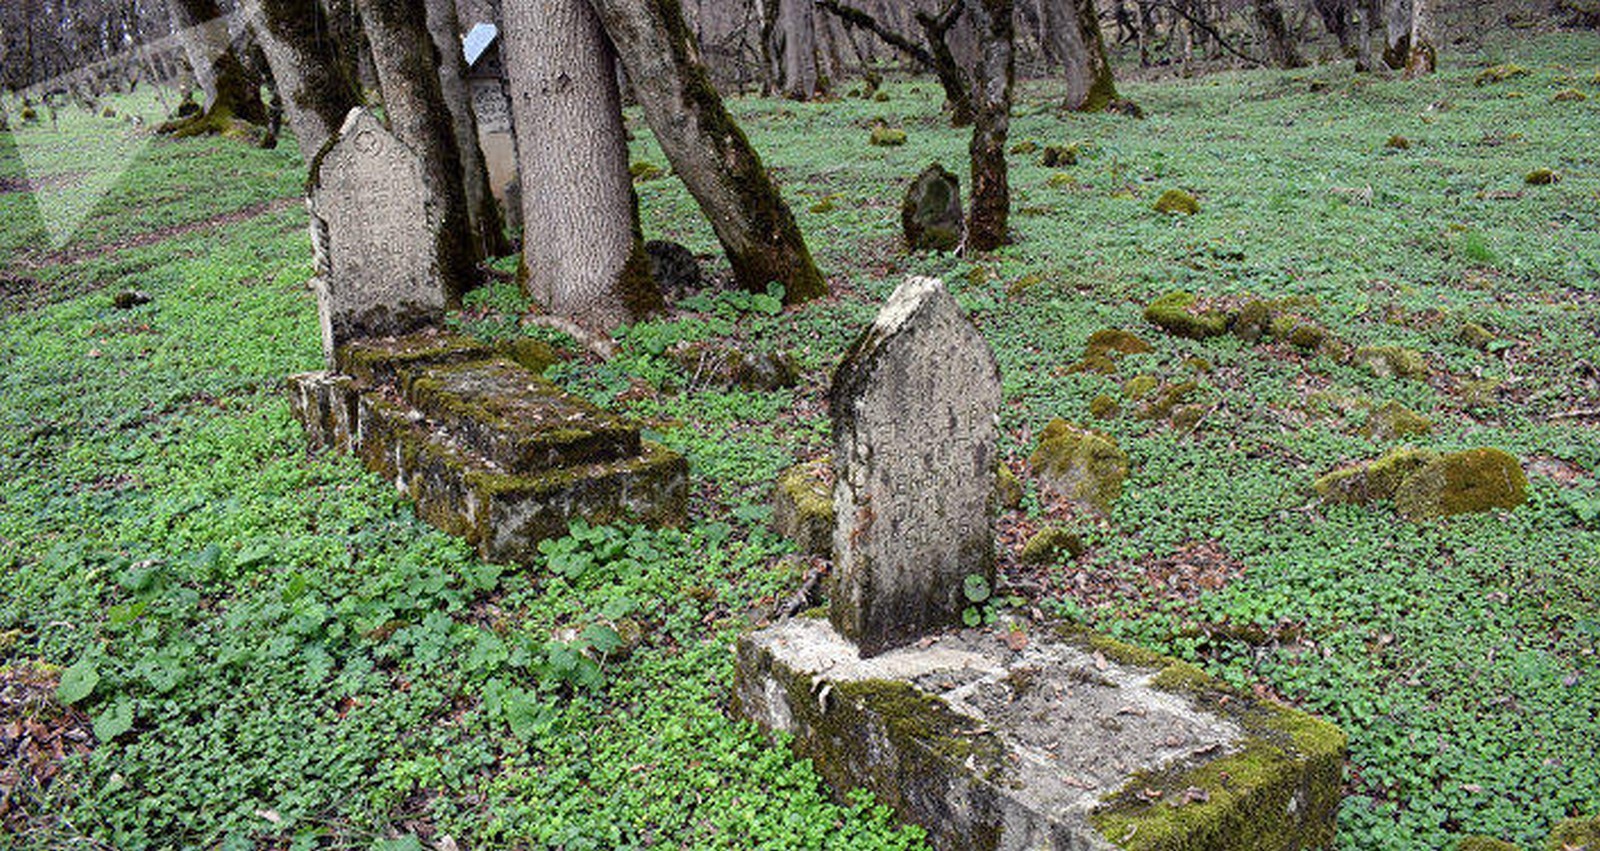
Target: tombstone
point(486, 80)
point(931, 215)
point(376, 236)
point(914, 419)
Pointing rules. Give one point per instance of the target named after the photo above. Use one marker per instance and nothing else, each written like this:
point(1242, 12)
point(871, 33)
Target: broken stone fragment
point(1048, 544)
point(1392, 362)
point(1080, 465)
point(1392, 421)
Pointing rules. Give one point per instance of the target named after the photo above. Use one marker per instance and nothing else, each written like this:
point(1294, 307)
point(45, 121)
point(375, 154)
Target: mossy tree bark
point(1368, 22)
point(1397, 32)
point(991, 95)
point(231, 93)
point(1335, 15)
point(1420, 56)
point(483, 211)
point(1072, 28)
point(317, 94)
point(789, 44)
point(408, 71)
point(1280, 42)
point(581, 252)
point(708, 150)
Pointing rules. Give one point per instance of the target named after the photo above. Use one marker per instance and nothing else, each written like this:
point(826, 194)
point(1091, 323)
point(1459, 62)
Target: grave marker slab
point(376, 235)
point(914, 409)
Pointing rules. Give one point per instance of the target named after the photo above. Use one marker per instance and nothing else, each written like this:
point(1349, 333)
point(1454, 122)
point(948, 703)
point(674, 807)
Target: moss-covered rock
point(1308, 335)
point(1048, 544)
point(1059, 156)
point(1479, 393)
point(1061, 180)
point(1474, 336)
point(1398, 143)
point(535, 356)
point(887, 137)
point(1175, 314)
point(1007, 488)
point(1167, 400)
point(802, 506)
point(1568, 96)
point(1575, 834)
point(1373, 480)
point(1081, 465)
point(1176, 202)
point(1499, 74)
point(1187, 418)
point(1392, 361)
point(1139, 386)
point(1115, 341)
point(930, 213)
point(1104, 407)
point(1094, 363)
point(730, 368)
point(1393, 421)
point(1541, 177)
point(1462, 483)
point(1484, 843)
point(1254, 320)
point(1025, 147)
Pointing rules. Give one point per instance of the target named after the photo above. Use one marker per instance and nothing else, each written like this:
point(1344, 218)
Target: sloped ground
point(276, 652)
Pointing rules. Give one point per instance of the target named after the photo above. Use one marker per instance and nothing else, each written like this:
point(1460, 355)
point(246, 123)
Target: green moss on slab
point(1373, 480)
point(1499, 74)
point(1081, 465)
point(887, 137)
point(1393, 421)
point(1575, 833)
point(802, 506)
point(1392, 361)
point(1174, 314)
point(1474, 336)
point(1484, 843)
point(1007, 488)
point(1139, 386)
point(535, 356)
point(1048, 544)
point(1461, 483)
point(383, 360)
point(1104, 407)
point(1176, 202)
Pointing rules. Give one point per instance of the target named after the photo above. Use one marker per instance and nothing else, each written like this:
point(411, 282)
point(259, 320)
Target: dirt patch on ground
point(222, 220)
point(38, 182)
point(37, 736)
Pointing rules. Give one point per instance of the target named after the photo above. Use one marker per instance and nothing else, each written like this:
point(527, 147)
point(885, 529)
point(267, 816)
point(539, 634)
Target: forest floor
point(210, 639)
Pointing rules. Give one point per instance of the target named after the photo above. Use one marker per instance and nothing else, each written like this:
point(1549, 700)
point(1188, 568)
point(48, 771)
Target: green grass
point(279, 653)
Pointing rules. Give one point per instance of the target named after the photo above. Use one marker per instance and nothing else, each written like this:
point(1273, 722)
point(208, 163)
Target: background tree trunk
point(708, 150)
point(1072, 28)
point(408, 71)
point(229, 89)
point(792, 46)
point(1368, 23)
point(1420, 57)
point(1281, 47)
point(1397, 30)
point(317, 95)
point(483, 211)
point(991, 95)
point(581, 251)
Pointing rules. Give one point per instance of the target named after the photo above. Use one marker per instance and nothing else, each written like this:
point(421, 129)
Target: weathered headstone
point(914, 412)
point(931, 215)
point(376, 235)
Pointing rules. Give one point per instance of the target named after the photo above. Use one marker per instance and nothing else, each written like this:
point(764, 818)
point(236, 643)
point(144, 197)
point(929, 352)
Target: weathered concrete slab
point(487, 450)
point(914, 409)
point(1073, 743)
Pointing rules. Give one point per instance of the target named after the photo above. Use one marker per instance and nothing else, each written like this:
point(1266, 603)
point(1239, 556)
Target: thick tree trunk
point(792, 48)
point(583, 257)
point(708, 150)
point(483, 211)
point(1368, 23)
point(1397, 30)
point(991, 95)
point(1280, 42)
point(1072, 31)
point(230, 91)
point(316, 94)
point(1335, 15)
point(408, 70)
point(1420, 56)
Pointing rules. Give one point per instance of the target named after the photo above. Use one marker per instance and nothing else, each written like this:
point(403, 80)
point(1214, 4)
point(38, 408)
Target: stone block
point(1075, 742)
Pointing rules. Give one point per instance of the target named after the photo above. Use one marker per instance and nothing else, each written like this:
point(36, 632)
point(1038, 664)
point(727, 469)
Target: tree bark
point(230, 92)
point(1072, 31)
point(1368, 20)
point(408, 71)
point(991, 95)
point(935, 55)
point(1280, 42)
point(708, 150)
point(581, 252)
point(791, 48)
point(483, 211)
point(1397, 32)
point(316, 94)
point(1420, 57)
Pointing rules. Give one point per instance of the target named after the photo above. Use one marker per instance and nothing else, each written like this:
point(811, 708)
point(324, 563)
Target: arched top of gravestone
point(914, 410)
point(380, 233)
point(930, 214)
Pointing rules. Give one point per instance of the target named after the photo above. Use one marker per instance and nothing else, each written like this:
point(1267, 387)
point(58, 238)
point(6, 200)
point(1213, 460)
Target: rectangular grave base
point(1073, 742)
point(502, 513)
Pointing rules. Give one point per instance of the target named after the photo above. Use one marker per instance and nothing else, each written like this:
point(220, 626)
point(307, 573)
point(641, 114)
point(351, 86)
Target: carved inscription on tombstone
point(376, 235)
point(914, 427)
point(490, 106)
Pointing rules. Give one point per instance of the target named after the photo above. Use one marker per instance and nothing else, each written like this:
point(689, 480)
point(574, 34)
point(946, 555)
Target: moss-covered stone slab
point(383, 360)
point(518, 420)
point(802, 506)
point(1073, 742)
point(1079, 464)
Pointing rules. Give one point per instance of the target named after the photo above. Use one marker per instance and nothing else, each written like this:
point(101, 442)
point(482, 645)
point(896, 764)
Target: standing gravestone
point(914, 424)
point(930, 215)
point(376, 235)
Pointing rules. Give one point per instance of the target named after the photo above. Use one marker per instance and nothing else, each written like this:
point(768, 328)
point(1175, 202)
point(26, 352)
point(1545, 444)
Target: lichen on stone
point(802, 506)
point(1392, 361)
point(1392, 421)
point(1081, 465)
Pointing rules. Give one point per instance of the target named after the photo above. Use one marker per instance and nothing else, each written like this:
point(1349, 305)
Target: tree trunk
point(408, 71)
point(1335, 15)
point(1280, 42)
point(991, 95)
point(230, 92)
point(1397, 31)
point(317, 95)
point(483, 211)
point(1072, 31)
point(793, 48)
point(936, 55)
point(708, 150)
point(1420, 58)
point(582, 255)
point(1368, 20)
